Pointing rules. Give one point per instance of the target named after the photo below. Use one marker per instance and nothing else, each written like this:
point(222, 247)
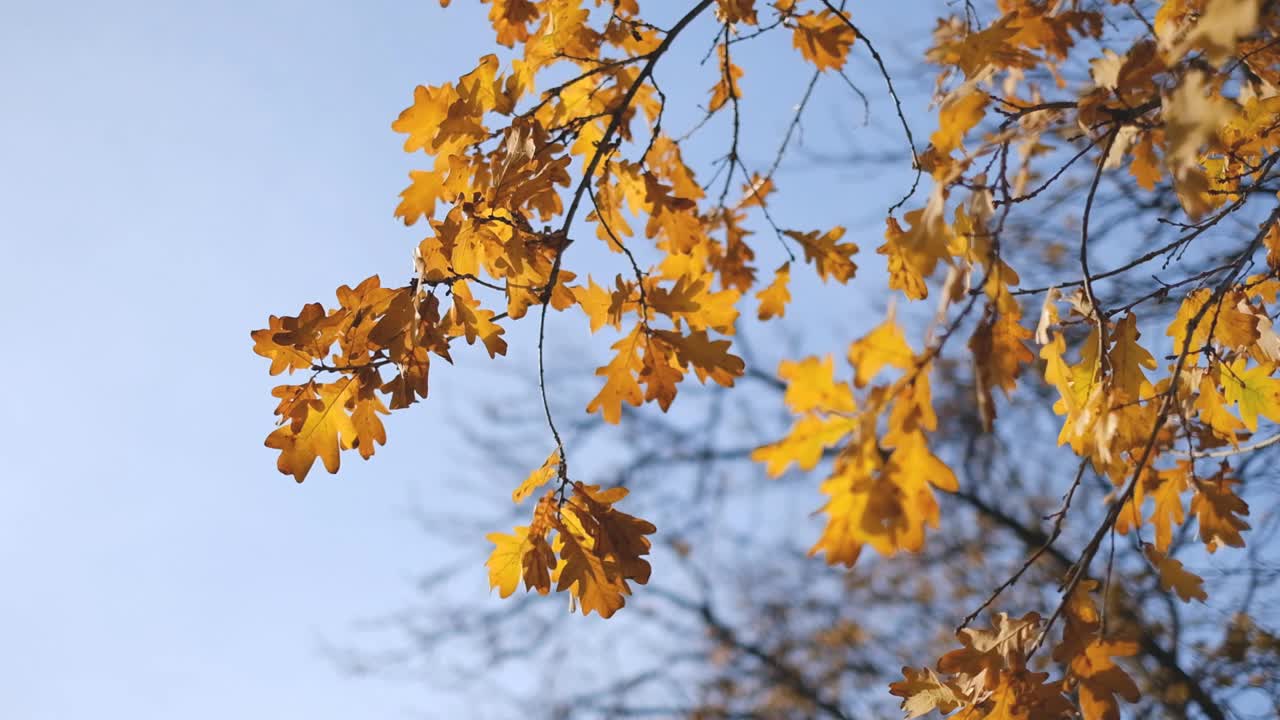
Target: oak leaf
point(325, 430)
point(1100, 680)
point(734, 11)
point(999, 351)
point(804, 444)
point(1253, 391)
point(1219, 512)
point(1174, 577)
point(284, 357)
point(506, 561)
point(824, 39)
point(923, 692)
point(620, 380)
point(774, 298)
point(539, 477)
point(959, 114)
point(811, 385)
point(708, 358)
point(1168, 512)
point(883, 346)
point(602, 551)
point(829, 256)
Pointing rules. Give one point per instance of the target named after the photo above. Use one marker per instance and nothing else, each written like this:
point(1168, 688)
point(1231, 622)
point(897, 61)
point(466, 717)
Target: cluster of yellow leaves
point(880, 489)
point(1216, 507)
point(1087, 657)
point(373, 327)
point(1110, 408)
point(989, 677)
point(584, 546)
point(1172, 111)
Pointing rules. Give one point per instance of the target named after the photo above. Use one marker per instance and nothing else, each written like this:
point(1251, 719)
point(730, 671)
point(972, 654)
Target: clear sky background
point(170, 174)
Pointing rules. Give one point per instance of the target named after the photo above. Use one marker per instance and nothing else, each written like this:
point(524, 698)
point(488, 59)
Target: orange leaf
point(1173, 577)
point(823, 39)
point(538, 478)
point(958, 116)
point(774, 298)
point(325, 430)
point(883, 346)
point(1219, 510)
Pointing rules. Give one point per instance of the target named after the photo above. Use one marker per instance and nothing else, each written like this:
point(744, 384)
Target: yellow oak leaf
point(829, 256)
point(1229, 326)
point(988, 677)
point(1253, 391)
point(616, 536)
point(543, 475)
point(510, 19)
point(369, 430)
point(283, 356)
point(999, 351)
point(1082, 394)
point(296, 402)
point(539, 564)
point(1005, 645)
point(824, 39)
point(1272, 242)
point(883, 346)
point(959, 115)
point(708, 358)
point(882, 502)
point(1145, 166)
point(804, 443)
point(1100, 680)
point(1168, 512)
point(1174, 577)
point(660, 372)
point(1219, 511)
point(426, 189)
point(914, 254)
point(1127, 360)
point(913, 405)
point(733, 11)
point(923, 692)
point(601, 306)
point(471, 321)
point(421, 121)
point(585, 577)
point(325, 430)
point(973, 52)
point(726, 87)
point(756, 193)
point(523, 555)
point(811, 385)
point(1214, 413)
point(1194, 114)
point(693, 301)
point(506, 562)
point(620, 382)
point(602, 550)
point(774, 298)
point(312, 332)
point(1023, 695)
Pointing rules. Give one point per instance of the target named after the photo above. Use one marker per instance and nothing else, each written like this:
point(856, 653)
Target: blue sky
point(172, 173)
